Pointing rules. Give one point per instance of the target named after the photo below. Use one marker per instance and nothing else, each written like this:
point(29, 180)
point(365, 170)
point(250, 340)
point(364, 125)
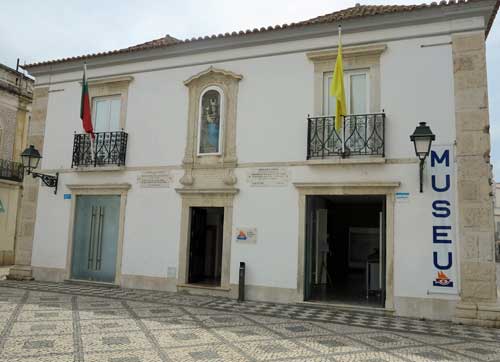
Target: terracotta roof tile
point(358, 11)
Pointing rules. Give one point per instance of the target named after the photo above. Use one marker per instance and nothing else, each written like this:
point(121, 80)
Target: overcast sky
point(35, 30)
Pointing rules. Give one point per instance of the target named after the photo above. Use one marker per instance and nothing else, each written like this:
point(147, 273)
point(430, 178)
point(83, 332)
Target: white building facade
point(222, 150)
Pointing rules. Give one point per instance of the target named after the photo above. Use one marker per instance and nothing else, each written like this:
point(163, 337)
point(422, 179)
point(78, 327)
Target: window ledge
point(98, 168)
point(346, 161)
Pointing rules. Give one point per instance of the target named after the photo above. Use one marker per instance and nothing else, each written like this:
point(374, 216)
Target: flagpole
point(343, 123)
point(92, 155)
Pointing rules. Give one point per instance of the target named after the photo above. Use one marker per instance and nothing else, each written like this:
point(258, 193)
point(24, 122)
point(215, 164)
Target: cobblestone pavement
point(52, 322)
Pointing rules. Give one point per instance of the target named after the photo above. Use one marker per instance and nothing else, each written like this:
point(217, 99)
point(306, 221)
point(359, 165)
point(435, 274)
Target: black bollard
point(241, 290)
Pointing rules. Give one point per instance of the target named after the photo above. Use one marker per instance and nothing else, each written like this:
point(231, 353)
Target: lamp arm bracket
point(48, 180)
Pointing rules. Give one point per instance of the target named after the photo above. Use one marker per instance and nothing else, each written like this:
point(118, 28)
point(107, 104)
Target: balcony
point(362, 135)
point(12, 171)
point(107, 149)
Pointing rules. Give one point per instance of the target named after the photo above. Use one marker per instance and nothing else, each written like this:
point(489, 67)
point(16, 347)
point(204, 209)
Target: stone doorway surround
point(386, 189)
point(205, 198)
point(98, 190)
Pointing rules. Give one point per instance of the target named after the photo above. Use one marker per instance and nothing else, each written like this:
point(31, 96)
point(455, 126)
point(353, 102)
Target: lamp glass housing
point(422, 139)
point(30, 158)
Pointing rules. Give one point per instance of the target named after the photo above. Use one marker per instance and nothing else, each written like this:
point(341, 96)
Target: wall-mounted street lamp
point(422, 139)
point(31, 158)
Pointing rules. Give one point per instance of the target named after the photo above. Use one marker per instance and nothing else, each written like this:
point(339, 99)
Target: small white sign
point(246, 235)
point(154, 179)
point(268, 177)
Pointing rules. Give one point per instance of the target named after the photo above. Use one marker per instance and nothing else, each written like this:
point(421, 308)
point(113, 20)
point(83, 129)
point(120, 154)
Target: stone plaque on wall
point(154, 179)
point(268, 177)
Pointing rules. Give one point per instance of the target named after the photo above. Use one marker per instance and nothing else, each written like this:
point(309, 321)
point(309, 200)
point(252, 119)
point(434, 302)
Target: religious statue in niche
point(210, 122)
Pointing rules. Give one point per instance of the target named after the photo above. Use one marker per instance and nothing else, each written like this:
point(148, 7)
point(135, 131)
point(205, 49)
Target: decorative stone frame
point(386, 189)
point(107, 87)
point(205, 198)
point(354, 58)
point(98, 190)
point(226, 160)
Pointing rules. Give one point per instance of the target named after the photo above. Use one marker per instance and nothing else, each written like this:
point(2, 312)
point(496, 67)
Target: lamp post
point(31, 158)
point(422, 139)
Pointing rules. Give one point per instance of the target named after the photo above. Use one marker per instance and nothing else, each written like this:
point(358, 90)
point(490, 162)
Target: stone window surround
point(354, 58)
point(221, 122)
point(115, 86)
point(386, 189)
point(205, 198)
point(119, 189)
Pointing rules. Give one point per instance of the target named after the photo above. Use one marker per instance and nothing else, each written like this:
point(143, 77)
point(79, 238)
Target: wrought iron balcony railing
point(362, 134)
point(12, 171)
point(108, 148)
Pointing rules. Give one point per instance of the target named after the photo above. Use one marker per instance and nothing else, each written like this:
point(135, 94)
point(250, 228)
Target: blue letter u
point(441, 189)
point(440, 267)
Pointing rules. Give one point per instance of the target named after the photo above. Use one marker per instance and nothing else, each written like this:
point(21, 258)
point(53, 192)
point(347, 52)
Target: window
point(106, 114)
point(210, 123)
point(356, 92)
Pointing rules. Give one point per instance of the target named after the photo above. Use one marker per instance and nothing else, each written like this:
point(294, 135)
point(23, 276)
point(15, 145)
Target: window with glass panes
point(356, 92)
point(106, 114)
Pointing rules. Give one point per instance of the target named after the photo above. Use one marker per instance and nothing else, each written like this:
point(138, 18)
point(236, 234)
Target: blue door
point(95, 238)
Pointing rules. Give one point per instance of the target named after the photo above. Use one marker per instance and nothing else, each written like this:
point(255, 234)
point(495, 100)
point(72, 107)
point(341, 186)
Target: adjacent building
point(16, 94)
point(222, 150)
point(497, 220)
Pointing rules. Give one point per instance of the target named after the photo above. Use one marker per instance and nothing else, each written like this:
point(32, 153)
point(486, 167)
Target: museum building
point(215, 151)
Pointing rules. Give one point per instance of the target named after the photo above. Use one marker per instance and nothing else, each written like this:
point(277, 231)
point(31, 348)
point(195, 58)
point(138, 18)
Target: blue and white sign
point(444, 254)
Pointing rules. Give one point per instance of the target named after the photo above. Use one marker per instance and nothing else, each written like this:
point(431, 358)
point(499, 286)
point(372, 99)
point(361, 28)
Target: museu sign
point(443, 220)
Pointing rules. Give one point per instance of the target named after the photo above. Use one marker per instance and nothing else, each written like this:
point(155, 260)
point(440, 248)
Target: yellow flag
point(337, 87)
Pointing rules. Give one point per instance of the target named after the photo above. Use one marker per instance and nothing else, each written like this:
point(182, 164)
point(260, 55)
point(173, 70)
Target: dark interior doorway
point(205, 246)
point(345, 249)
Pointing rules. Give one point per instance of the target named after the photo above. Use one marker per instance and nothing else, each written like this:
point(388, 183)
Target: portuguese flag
point(85, 105)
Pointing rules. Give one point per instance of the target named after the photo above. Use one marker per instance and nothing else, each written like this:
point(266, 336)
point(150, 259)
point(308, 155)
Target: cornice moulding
point(354, 51)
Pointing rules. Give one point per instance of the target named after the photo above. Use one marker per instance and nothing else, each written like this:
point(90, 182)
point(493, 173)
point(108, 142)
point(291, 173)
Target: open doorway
point(345, 249)
point(205, 245)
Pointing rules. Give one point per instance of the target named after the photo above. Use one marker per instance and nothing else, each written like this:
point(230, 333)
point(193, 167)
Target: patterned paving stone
point(223, 320)
point(123, 356)
point(213, 353)
point(114, 342)
point(245, 333)
point(90, 326)
point(38, 328)
point(53, 358)
point(106, 313)
point(370, 356)
point(484, 352)
point(332, 344)
point(276, 349)
point(384, 340)
point(184, 337)
point(175, 322)
point(37, 346)
point(58, 322)
point(40, 316)
point(298, 329)
point(157, 311)
point(426, 353)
